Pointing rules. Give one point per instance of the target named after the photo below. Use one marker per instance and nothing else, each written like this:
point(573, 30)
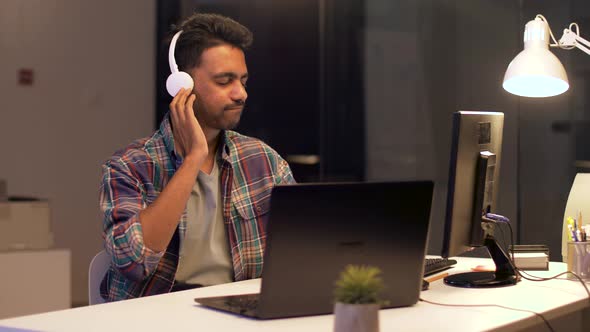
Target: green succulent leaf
point(359, 285)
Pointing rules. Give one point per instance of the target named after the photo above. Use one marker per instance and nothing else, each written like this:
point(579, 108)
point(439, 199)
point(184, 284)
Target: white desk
point(563, 302)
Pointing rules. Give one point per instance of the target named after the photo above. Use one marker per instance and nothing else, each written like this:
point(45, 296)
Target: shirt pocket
point(253, 206)
point(249, 209)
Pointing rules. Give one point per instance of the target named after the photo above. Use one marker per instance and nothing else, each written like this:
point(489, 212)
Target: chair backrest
point(577, 202)
point(98, 268)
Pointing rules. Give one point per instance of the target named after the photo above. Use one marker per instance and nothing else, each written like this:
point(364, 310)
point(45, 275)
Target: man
point(187, 206)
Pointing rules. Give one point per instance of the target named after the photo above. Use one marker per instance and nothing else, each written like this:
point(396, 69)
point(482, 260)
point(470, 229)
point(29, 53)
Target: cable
point(557, 44)
point(549, 28)
point(492, 305)
point(501, 219)
point(503, 237)
point(572, 25)
point(536, 278)
point(577, 32)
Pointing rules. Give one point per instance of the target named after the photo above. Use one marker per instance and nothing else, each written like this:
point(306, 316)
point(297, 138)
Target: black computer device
point(472, 193)
point(315, 230)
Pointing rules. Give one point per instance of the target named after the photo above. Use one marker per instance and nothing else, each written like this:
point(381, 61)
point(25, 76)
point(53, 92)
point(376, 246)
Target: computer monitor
point(472, 193)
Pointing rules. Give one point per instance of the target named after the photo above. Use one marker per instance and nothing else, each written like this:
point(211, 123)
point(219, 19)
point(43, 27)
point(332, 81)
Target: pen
point(437, 277)
point(572, 233)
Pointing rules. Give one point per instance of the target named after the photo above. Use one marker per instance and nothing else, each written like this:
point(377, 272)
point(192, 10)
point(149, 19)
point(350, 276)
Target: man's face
point(220, 87)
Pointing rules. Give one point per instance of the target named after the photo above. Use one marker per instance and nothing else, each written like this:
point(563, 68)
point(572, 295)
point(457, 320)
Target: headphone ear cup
point(178, 80)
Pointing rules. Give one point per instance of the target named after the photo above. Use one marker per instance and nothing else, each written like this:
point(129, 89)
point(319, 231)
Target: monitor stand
point(505, 274)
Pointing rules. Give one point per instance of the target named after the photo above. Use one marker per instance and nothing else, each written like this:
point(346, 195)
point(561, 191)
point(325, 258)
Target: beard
point(220, 118)
point(232, 122)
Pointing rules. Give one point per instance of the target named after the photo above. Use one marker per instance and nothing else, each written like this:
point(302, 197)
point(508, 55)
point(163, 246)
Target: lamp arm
point(571, 39)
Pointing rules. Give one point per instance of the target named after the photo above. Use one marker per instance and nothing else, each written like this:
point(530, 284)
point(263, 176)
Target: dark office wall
point(488, 37)
point(426, 60)
point(305, 87)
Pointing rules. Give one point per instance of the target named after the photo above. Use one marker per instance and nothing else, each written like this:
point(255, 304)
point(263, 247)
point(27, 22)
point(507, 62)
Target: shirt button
point(258, 208)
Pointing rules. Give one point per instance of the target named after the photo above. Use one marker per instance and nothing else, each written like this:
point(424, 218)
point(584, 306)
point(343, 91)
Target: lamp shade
point(536, 72)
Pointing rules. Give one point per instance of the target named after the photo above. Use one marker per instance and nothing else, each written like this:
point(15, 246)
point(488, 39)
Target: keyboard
point(434, 265)
point(248, 302)
point(244, 304)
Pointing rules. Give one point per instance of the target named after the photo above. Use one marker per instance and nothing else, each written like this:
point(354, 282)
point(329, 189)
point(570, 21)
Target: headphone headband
point(177, 79)
point(171, 60)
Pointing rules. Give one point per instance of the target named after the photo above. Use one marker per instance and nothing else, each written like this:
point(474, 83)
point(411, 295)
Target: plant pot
point(356, 317)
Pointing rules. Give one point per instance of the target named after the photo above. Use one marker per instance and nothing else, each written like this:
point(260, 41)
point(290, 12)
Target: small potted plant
point(357, 299)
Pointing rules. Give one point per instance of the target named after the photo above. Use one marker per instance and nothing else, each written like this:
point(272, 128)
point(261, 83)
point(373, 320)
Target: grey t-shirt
point(204, 256)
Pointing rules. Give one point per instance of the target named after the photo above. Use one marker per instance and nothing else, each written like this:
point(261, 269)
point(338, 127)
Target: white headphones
point(177, 79)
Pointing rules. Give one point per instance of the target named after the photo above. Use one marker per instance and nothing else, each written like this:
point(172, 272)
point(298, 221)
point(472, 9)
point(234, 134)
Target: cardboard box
point(530, 256)
point(25, 224)
point(35, 281)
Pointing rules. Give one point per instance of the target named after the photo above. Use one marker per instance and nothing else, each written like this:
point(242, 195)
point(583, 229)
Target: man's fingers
point(183, 119)
point(174, 102)
point(189, 105)
point(182, 94)
point(174, 109)
point(181, 104)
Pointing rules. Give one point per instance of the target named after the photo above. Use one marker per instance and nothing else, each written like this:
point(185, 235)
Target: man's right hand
point(189, 139)
point(160, 219)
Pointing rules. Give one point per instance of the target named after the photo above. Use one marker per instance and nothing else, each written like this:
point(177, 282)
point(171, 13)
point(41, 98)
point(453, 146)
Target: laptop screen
point(315, 230)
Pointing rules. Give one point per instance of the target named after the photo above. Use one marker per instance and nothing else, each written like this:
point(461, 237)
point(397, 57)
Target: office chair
point(98, 268)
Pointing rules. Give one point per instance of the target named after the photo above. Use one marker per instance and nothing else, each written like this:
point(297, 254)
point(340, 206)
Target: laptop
point(315, 230)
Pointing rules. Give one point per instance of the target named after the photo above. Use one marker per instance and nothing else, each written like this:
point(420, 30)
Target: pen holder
point(578, 259)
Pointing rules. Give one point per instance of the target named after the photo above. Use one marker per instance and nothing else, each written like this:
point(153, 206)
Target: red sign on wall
point(25, 76)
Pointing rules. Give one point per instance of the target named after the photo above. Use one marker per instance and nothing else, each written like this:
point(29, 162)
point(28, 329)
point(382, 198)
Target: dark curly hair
point(203, 31)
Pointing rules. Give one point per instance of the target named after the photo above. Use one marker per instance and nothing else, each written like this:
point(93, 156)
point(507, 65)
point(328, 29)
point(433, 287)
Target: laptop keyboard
point(434, 265)
point(247, 302)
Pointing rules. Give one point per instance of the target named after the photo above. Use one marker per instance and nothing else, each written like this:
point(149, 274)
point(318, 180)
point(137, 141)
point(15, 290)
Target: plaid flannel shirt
point(133, 178)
